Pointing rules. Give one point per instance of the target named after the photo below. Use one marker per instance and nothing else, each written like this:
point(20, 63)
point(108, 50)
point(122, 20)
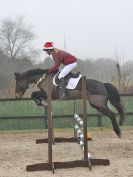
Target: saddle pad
point(72, 83)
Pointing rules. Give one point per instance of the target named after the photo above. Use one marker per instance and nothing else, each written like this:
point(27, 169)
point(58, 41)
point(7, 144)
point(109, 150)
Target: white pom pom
point(89, 155)
point(81, 122)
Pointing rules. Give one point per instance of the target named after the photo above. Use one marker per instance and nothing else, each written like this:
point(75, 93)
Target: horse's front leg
point(39, 97)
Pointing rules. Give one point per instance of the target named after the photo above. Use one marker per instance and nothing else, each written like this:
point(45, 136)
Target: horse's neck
point(49, 79)
point(46, 82)
point(34, 78)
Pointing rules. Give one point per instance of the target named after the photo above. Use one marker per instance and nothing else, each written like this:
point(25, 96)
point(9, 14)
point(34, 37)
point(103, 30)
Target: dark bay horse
point(98, 93)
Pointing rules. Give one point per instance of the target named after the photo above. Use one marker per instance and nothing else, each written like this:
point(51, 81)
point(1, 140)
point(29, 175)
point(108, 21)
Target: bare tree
point(124, 72)
point(16, 37)
point(15, 41)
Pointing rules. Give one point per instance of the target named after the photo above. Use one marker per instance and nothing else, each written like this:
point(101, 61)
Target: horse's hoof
point(121, 121)
point(119, 135)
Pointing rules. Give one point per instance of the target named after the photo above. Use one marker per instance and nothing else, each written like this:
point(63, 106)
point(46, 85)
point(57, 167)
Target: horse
point(98, 93)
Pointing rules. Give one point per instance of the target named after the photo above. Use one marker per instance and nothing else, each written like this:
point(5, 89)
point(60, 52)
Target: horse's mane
point(32, 72)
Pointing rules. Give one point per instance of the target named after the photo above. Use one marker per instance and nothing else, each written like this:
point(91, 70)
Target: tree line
point(16, 54)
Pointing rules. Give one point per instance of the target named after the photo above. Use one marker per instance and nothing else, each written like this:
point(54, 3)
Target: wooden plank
point(60, 139)
point(23, 99)
point(69, 164)
point(56, 116)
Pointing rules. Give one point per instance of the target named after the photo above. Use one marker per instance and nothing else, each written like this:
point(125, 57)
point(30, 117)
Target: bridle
point(32, 85)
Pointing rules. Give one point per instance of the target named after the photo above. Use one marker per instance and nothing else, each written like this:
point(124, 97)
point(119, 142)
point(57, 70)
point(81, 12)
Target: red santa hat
point(48, 46)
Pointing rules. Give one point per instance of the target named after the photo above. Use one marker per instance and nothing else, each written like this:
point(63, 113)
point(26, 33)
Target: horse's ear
point(16, 74)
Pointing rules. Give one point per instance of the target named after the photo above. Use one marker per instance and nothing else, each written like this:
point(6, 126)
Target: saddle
point(71, 80)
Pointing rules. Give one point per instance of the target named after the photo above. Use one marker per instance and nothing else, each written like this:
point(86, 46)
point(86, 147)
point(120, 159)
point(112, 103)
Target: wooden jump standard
point(70, 164)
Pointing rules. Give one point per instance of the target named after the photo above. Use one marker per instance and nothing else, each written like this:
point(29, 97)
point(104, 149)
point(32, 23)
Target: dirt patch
point(19, 149)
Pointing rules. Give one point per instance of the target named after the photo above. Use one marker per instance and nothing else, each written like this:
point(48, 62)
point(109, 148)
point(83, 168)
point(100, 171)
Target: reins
point(38, 82)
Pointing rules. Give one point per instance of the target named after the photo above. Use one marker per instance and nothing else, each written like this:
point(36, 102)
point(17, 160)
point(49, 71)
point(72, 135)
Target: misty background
point(97, 32)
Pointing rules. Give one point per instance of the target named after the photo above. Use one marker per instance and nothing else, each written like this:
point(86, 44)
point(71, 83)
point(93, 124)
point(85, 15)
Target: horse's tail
point(114, 98)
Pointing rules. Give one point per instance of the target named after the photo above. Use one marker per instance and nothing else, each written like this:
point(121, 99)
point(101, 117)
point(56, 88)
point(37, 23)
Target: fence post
point(50, 130)
point(46, 116)
point(84, 95)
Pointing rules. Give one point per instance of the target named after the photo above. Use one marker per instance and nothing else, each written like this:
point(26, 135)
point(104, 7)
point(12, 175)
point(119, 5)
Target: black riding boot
point(62, 89)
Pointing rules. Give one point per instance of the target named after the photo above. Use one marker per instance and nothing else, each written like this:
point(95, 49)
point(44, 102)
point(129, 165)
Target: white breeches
point(67, 69)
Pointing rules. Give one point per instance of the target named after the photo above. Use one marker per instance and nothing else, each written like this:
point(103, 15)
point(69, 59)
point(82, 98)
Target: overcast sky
point(91, 28)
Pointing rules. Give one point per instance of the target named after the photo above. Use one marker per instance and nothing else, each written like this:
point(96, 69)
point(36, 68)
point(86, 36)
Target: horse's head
point(24, 79)
point(21, 85)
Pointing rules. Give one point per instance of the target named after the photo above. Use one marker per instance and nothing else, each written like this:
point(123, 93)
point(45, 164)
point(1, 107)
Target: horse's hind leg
point(115, 100)
point(111, 115)
point(120, 108)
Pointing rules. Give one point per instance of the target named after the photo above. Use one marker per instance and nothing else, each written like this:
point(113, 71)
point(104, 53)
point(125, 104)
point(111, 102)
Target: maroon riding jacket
point(60, 56)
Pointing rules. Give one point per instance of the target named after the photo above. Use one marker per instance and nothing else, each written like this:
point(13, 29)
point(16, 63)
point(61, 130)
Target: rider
point(60, 57)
